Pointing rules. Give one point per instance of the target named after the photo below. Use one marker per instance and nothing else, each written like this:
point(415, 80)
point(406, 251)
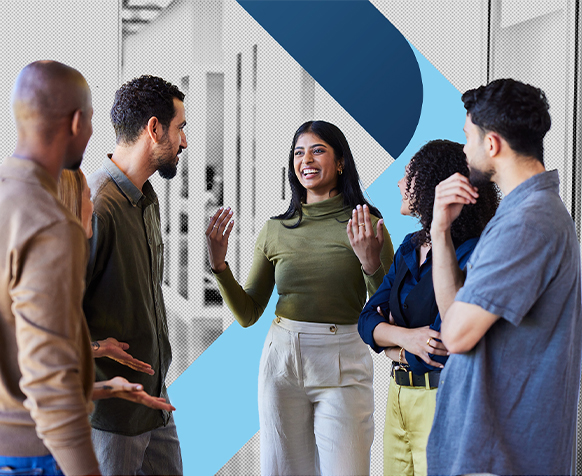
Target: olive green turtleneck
point(318, 276)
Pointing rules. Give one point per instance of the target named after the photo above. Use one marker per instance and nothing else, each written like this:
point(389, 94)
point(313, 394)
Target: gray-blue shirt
point(509, 405)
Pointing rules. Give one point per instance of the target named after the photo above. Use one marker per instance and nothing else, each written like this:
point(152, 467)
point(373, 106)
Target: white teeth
point(310, 171)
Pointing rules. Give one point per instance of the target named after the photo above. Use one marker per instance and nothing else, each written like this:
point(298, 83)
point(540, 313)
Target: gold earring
point(340, 171)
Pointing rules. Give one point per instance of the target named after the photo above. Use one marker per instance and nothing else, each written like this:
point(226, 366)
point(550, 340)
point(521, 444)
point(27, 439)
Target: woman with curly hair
point(406, 323)
point(315, 375)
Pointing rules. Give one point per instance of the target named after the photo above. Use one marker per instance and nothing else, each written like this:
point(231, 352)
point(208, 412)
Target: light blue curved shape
point(216, 398)
point(442, 117)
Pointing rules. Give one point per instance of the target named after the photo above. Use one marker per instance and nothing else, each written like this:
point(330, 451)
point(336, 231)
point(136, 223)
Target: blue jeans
point(152, 452)
point(29, 465)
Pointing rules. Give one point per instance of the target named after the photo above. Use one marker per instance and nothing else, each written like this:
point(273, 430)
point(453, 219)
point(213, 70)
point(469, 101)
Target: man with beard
point(508, 395)
point(124, 277)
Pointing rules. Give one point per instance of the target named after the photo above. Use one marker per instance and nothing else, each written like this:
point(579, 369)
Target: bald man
point(46, 365)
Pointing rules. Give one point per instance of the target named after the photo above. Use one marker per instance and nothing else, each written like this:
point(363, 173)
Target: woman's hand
point(361, 234)
point(421, 341)
point(393, 353)
point(118, 387)
point(217, 235)
point(115, 350)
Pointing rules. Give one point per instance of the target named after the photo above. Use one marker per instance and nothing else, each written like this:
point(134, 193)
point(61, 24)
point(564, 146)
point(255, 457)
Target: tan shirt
point(46, 365)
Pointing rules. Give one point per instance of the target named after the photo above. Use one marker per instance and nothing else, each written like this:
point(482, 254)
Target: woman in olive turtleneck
point(315, 378)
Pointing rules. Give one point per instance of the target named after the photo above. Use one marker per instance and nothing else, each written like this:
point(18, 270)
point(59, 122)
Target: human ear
point(154, 129)
point(493, 144)
point(76, 122)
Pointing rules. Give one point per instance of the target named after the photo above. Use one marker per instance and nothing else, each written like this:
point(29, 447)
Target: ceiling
point(136, 13)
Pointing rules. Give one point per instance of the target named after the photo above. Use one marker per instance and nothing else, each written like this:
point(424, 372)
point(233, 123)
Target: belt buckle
point(404, 368)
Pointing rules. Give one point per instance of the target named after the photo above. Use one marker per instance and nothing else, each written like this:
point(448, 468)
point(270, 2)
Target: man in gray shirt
point(124, 279)
point(507, 399)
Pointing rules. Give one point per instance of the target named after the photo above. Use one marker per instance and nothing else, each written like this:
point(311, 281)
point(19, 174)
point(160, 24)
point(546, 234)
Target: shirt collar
point(132, 193)
point(29, 172)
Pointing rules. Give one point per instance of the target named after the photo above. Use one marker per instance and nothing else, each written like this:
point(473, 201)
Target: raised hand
point(116, 350)
point(450, 197)
point(365, 244)
point(217, 235)
point(118, 387)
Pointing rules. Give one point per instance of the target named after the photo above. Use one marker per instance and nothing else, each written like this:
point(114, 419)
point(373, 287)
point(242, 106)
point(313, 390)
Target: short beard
point(166, 167)
point(478, 178)
point(167, 171)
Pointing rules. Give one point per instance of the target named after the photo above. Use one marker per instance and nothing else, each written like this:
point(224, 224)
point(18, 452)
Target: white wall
point(76, 32)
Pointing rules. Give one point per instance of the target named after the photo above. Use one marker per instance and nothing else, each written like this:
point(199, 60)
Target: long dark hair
point(436, 161)
point(348, 183)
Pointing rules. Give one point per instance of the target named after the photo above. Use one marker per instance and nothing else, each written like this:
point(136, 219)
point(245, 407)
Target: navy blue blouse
point(406, 256)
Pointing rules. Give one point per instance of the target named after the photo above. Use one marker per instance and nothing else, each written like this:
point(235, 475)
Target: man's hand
point(365, 244)
point(115, 350)
point(450, 197)
point(118, 387)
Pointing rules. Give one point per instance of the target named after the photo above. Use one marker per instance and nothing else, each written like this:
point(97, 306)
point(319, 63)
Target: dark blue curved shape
point(357, 56)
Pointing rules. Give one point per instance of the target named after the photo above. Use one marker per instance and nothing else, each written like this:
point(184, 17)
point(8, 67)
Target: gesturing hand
point(217, 235)
point(116, 350)
point(450, 197)
point(118, 387)
point(365, 244)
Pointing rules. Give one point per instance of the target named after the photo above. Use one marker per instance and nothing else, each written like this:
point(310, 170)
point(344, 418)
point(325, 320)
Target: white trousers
point(316, 400)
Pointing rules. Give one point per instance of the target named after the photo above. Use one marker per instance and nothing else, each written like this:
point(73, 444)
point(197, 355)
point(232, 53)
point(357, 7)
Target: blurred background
point(245, 97)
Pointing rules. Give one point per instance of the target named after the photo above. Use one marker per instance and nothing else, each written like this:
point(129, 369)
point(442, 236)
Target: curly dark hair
point(516, 111)
point(436, 161)
point(137, 101)
point(348, 183)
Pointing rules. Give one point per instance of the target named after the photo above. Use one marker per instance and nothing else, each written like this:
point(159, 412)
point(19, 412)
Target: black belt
point(404, 377)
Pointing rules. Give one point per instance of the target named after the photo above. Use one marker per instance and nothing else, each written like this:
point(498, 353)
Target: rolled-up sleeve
point(507, 280)
point(47, 292)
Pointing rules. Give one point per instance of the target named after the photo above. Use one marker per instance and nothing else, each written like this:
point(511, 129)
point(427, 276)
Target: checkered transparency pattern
point(246, 462)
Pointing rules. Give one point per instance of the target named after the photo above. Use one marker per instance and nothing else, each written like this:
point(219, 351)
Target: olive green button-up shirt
point(124, 295)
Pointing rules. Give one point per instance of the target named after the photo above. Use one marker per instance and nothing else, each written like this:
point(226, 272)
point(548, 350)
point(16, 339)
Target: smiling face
point(316, 167)
point(172, 143)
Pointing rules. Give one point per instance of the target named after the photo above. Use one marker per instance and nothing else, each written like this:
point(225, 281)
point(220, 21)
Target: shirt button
point(405, 306)
point(470, 266)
